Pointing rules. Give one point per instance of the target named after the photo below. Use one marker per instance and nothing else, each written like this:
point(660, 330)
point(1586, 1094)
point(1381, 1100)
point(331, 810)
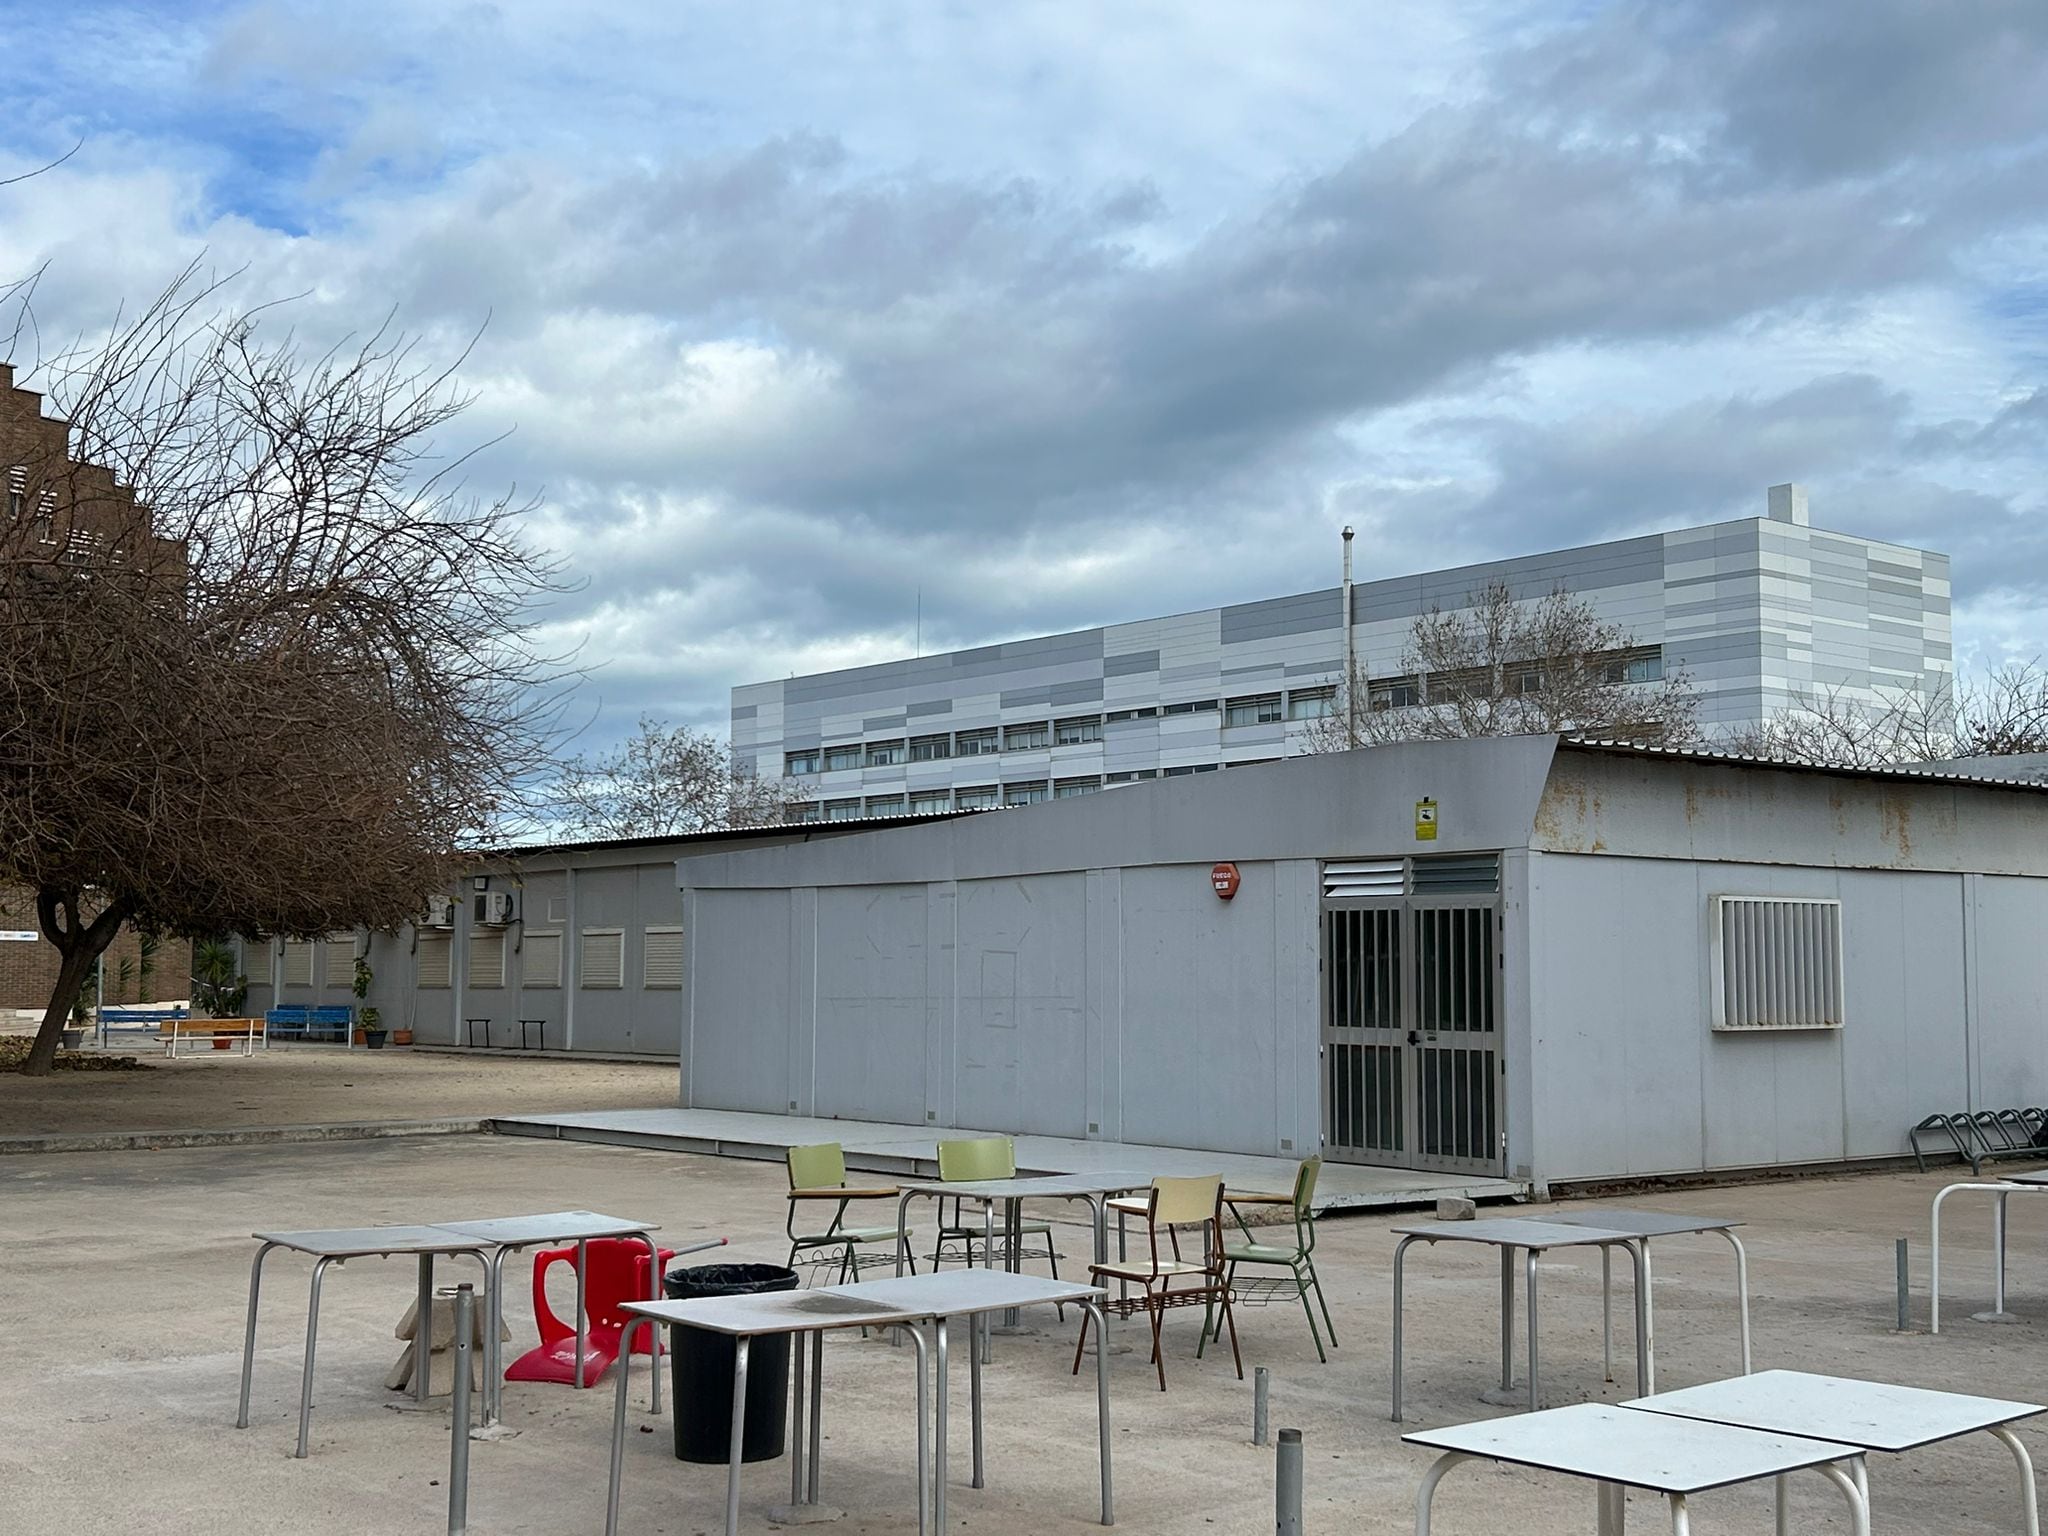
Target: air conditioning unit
point(440, 912)
point(494, 908)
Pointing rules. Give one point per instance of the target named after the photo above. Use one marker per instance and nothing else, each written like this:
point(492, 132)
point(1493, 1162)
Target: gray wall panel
point(871, 1003)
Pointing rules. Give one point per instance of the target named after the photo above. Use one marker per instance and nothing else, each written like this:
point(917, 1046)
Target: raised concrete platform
point(906, 1150)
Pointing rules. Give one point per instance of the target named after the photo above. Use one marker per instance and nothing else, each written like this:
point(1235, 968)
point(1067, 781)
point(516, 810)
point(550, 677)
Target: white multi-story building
point(1760, 613)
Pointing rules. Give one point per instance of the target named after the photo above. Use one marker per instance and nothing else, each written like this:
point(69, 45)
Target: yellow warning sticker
point(1425, 821)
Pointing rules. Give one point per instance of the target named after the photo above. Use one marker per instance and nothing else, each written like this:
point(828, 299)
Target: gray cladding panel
point(1129, 663)
point(1283, 616)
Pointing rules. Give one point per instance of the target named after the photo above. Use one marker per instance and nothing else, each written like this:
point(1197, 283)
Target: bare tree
point(265, 665)
point(2001, 712)
point(1503, 666)
point(665, 779)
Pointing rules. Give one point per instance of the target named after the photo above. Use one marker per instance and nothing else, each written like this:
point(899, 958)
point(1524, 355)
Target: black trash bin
point(701, 1366)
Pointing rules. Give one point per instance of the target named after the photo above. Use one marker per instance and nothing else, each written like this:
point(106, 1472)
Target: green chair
point(1297, 1258)
point(970, 1162)
point(819, 1174)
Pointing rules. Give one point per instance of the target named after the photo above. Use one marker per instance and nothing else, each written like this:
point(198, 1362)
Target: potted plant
point(81, 1011)
point(366, 1017)
point(219, 991)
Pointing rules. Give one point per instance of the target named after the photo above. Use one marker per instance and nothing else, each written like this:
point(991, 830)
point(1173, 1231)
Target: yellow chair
point(818, 1173)
point(971, 1162)
point(1169, 1206)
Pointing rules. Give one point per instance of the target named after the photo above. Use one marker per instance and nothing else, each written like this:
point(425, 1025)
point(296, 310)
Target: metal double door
point(1412, 1066)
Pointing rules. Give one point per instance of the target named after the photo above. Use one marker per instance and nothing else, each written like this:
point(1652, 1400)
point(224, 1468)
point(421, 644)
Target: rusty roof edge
point(1908, 772)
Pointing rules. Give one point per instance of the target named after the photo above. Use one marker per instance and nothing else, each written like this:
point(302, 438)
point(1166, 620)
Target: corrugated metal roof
point(1919, 773)
point(799, 831)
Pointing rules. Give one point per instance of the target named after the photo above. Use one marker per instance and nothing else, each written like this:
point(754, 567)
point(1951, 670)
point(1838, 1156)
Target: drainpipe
point(1350, 653)
point(572, 957)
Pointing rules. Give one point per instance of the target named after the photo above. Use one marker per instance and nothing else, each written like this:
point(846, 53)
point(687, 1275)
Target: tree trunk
point(80, 944)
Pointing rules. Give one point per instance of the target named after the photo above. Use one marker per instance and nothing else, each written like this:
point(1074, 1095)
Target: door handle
point(1415, 1037)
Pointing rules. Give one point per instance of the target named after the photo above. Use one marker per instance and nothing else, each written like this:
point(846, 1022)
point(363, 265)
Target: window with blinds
point(541, 960)
point(663, 965)
point(487, 959)
point(298, 963)
point(338, 961)
point(601, 958)
point(432, 958)
point(1777, 962)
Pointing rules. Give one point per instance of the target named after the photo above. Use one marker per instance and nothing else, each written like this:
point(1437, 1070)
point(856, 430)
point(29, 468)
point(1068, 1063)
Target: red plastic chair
point(617, 1274)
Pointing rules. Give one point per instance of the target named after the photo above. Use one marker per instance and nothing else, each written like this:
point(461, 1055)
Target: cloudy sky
point(1043, 315)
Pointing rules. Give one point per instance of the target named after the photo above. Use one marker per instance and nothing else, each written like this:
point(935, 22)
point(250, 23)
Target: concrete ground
point(123, 1276)
point(307, 1085)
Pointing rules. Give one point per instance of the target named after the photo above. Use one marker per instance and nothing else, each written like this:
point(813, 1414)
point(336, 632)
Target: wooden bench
point(171, 1031)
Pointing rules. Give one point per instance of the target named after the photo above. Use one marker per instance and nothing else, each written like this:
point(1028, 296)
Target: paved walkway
point(908, 1149)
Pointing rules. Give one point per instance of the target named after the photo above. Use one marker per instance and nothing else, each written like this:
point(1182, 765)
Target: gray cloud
point(777, 385)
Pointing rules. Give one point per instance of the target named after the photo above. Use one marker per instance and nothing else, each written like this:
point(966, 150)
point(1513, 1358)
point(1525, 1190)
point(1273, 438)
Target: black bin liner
point(701, 1363)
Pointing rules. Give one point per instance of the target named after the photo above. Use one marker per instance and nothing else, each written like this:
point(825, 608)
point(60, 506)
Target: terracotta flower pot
point(401, 1037)
point(221, 1042)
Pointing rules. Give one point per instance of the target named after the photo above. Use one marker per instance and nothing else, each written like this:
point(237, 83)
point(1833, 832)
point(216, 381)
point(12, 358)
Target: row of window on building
point(1036, 735)
point(600, 956)
point(1639, 664)
point(984, 797)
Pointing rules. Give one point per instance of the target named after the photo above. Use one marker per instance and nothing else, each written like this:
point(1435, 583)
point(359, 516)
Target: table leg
point(939, 1429)
point(1606, 1315)
point(2029, 1504)
point(1681, 1524)
point(1097, 1204)
point(494, 1322)
point(797, 1440)
point(1507, 1319)
point(1102, 1408)
point(611, 1503)
point(249, 1334)
point(306, 1372)
point(982, 1325)
point(924, 1454)
point(818, 1407)
point(1613, 1510)
point(1646, 1320)
point(1426, 1494)
point(654, 1294)
point(974, 1412)
point(1934, 1263)
point(1529, 1264)
point(1741, 1291)
point(1859, 1504)
point(1013, 1224)
point(1781, 1504)
point(423, 1330)
point(903, 1230)
point(739, 1426)
point(582, 1324)
point(1400, 1258)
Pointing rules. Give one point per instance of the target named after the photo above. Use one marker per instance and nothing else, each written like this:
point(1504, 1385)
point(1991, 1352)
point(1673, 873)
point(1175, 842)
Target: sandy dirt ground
point(123, 1279)
point(289, 1085)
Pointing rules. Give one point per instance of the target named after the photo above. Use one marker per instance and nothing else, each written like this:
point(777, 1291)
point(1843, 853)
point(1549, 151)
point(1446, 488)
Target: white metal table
point(896, 1303)
point(1622, 1448)
point(1095, 1188)
point(337, 1246)
point(1874, 1415)
point(1646, 1225)
point(506, 1234)
point(1509, 1233)
point(2018, 1183)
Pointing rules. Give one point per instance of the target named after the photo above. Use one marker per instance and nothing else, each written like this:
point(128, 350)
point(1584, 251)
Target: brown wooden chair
point(1170, 1206)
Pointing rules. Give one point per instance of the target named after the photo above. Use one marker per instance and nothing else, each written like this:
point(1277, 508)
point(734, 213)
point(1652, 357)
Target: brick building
point(138, 969)
point(56, 512)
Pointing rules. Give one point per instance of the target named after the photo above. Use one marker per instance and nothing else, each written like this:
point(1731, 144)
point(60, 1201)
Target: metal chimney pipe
point(1350, 653)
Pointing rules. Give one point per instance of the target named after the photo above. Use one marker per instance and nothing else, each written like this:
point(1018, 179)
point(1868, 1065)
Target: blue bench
point(149, 1017)
point(332, 1021)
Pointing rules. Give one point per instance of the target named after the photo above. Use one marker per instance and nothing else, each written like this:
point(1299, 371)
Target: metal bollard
point(1287, 1485)
point(1260, 1434)
point(1905, 1295)
point(458, 1442)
